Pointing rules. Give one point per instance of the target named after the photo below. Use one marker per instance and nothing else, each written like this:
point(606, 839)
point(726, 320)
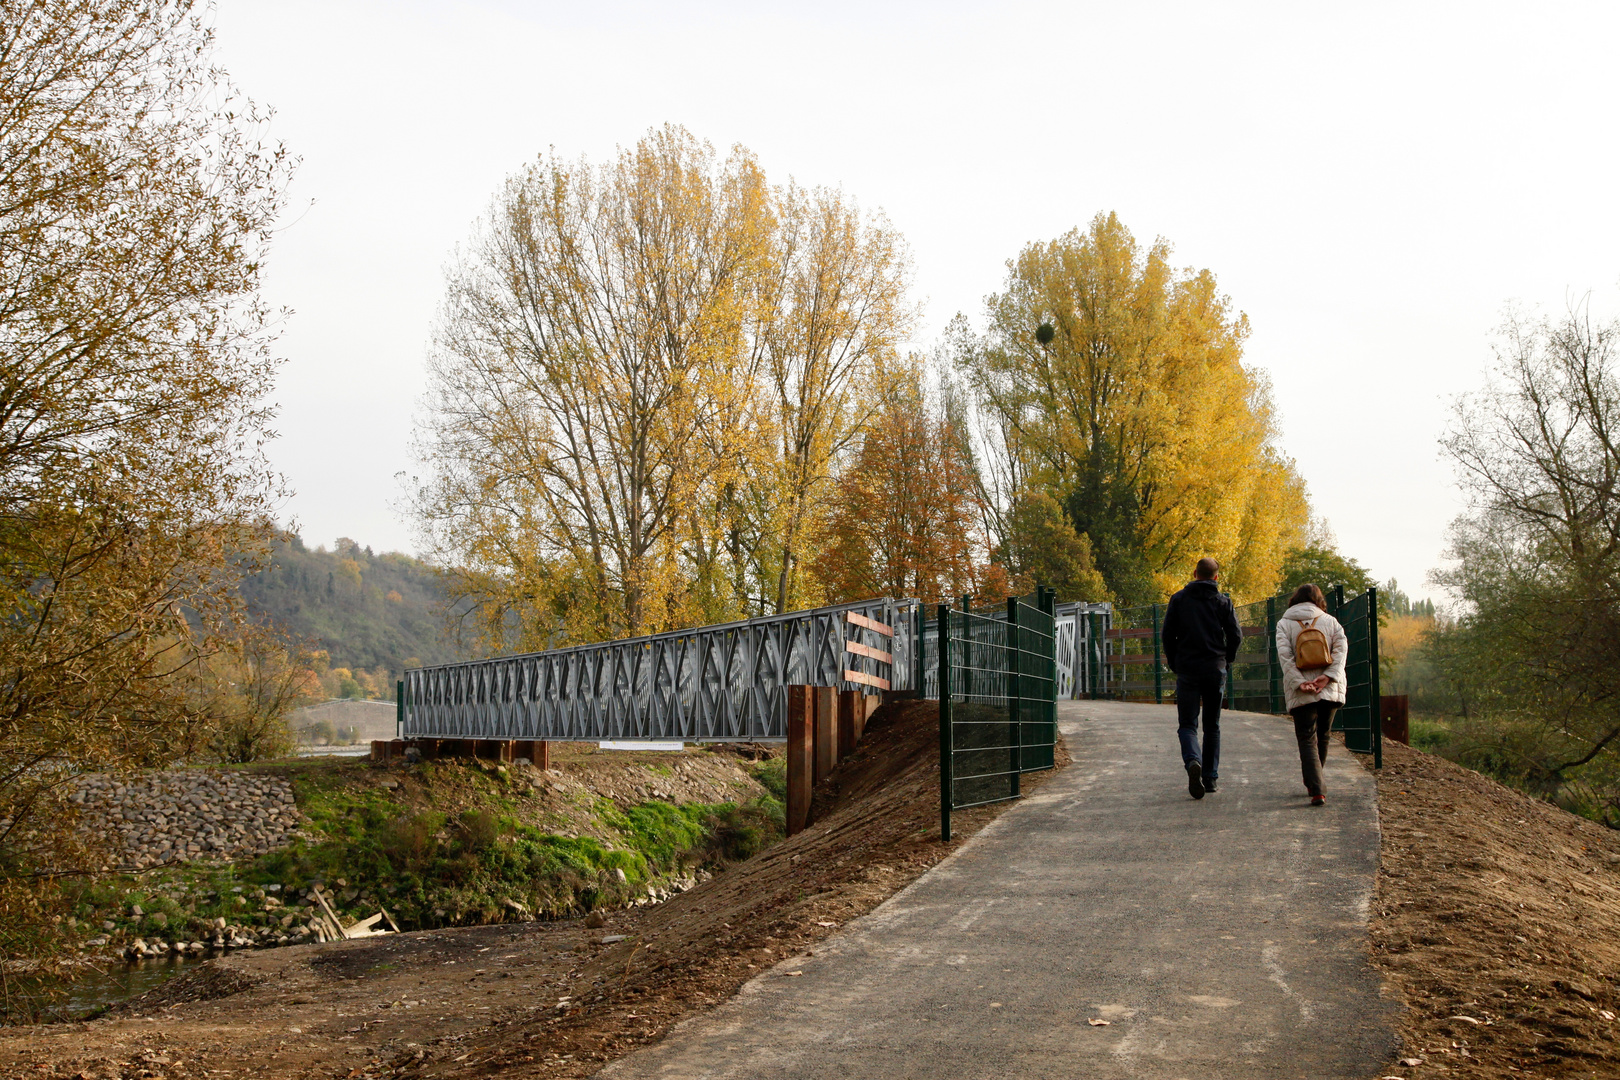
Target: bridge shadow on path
point(1220, 938)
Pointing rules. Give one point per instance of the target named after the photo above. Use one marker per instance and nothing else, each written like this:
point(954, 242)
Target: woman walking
point(1313, 648)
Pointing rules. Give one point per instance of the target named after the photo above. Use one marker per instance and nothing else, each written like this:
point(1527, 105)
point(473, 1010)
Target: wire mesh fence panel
point(997, 677)
point(1135, 659)
point(1358, 718)
point(1254, 679)
point(1034, 641)
point(984, 740)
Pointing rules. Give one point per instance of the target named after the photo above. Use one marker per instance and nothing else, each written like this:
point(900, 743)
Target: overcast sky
point(1371, 185)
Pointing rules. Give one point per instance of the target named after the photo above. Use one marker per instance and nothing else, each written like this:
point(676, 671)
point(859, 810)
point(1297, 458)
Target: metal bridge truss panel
point(721, 683)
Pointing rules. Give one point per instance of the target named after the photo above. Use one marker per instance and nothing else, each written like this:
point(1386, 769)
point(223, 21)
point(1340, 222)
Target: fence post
point(1375, 707)
point(1093, 654)
point(945, 762)
point(1273, 661)
point(1015, 708)
point(1158, 671)
point(399, 707)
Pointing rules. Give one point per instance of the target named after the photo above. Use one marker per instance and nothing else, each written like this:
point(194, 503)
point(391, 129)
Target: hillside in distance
point(374, 613)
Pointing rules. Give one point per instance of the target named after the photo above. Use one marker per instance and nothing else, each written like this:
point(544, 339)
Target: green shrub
point(772, 776)
point(478, 830)
point(1428, 735)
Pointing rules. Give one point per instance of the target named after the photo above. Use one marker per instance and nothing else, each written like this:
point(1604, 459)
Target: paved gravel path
point(1222, 938)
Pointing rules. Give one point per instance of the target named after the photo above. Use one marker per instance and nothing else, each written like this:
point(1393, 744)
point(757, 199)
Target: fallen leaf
point(1099, 1023)
point(793, 973)
point(1411, 1063)
point(1470, 1019)
point(826, 924)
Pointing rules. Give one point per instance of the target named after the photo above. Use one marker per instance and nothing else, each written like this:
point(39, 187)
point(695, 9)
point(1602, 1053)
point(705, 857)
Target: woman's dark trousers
point(1311, 726)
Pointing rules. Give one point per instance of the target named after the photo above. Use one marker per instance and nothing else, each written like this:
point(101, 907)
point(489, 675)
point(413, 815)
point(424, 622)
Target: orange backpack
point(1311, 648)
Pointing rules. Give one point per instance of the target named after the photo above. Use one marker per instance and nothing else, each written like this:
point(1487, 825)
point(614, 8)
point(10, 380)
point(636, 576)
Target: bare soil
point(538, 999)
point(1498, 920)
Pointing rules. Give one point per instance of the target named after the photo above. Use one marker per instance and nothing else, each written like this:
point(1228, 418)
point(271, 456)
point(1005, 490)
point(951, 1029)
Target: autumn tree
point(1043, 548)
point(642, 378)
point(831, 307)
point(1137, 415)
point(904, 520)
point(136, 201)
point(1534, 564)
point(585, 387)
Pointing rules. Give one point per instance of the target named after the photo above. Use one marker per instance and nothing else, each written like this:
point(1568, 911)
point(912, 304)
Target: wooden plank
point(800, 757)
point(849, 706)
point(870, 624)
point(866, 680)
point(826, 730)
point(1144, 632)
point(866, 650)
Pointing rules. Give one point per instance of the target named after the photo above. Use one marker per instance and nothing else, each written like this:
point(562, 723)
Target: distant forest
point(373, 615)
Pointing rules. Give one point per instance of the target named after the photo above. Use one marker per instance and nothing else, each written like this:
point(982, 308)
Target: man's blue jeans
point(1195, 691)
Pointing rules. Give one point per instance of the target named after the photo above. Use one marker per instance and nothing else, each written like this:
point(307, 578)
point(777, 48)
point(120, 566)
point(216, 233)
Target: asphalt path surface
point(1223, 937)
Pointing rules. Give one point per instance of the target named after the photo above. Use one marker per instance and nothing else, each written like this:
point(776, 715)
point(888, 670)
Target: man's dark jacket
point(1200, 629)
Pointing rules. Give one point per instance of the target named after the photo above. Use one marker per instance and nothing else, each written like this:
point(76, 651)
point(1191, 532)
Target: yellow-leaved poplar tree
point(1138, 415)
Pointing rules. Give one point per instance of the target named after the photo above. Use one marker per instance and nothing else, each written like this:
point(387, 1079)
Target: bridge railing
point(723, 683)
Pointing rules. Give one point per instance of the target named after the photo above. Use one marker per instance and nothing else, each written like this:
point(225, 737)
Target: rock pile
point(184, 814)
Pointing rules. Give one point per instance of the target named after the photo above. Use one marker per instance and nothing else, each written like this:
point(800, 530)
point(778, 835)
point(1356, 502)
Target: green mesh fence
point(1137, 672)
point(997, 707)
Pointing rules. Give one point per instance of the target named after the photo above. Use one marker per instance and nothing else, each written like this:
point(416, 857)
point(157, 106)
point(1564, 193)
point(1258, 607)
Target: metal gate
point(996, 676)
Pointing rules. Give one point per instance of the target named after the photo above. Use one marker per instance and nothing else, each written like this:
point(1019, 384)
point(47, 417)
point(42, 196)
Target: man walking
point(1201, 639)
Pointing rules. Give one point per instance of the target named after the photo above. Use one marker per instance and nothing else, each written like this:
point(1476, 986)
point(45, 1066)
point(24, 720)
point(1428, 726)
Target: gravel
point(176, 816)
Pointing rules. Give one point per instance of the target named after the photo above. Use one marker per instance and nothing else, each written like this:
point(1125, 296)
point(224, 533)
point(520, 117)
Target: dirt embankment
point(1498, 919)
point(536, 999)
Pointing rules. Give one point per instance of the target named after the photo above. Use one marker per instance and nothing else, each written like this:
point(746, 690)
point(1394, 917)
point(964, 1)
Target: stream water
point(97, 988)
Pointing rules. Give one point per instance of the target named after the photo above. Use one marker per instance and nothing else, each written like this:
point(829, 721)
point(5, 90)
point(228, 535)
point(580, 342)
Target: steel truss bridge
point(723, 683)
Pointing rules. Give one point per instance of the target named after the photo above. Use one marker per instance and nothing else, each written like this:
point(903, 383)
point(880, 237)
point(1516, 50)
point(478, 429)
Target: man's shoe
point(1209, 786)
point(1195, 780)
point(1318, 800)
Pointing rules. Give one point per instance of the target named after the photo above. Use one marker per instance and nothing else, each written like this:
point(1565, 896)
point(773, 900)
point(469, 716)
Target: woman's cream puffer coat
point(1292, 622)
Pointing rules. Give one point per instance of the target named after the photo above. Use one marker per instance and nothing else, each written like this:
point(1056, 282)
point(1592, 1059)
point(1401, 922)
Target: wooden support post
point(466, 748)
point(379, 749)
point(394, 750)
point(850, 708)
point(800, 757)
point(826, 733)
point(540, 754)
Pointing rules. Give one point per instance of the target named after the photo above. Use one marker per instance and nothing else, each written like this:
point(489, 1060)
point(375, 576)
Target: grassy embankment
point(438, 843)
